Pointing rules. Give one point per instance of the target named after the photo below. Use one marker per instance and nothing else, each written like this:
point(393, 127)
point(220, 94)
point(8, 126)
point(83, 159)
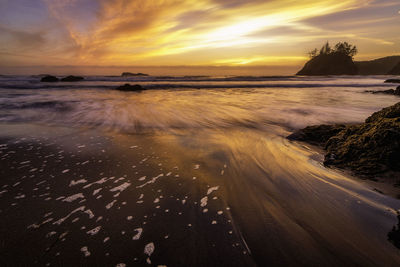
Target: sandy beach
point(76, 197)
point(80, 197)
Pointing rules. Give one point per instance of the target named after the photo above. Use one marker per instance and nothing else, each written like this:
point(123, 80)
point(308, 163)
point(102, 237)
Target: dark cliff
point(329, 64)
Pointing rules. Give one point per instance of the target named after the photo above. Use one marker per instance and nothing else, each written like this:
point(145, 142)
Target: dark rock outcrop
point(329, 64)
point(317, 134)
point(387, 92)
point(130, 74)
point(368, 149)
point(130, 88)
point(392, 81)
point(72, 78)
point(392, 112)
point(394, 234)
point(49, 79)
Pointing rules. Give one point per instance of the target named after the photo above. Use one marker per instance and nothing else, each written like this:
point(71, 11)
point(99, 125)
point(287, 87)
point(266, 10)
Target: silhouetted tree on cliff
point(326, 49)
point(346, 48)
point(341, 48)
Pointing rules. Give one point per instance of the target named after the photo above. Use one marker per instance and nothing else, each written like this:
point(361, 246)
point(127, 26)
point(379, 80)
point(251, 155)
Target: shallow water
point(285, 207)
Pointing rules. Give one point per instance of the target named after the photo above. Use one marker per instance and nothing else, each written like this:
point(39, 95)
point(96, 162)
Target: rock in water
point(130, 74)
point(49, 79)
point(394, 234)
point(130, 88)
point(387, 92)
point(330, 64)
point(317, 134)
point(368, 148)
point(392, 112)
point(392, 81)
point(72, 78)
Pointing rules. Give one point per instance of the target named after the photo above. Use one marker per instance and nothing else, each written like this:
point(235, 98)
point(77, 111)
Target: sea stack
point(329, 64)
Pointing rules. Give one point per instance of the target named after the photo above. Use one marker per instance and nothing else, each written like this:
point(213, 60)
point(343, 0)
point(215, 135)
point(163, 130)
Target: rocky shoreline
point(387, 92)
point(70, 78)
point(370, 150)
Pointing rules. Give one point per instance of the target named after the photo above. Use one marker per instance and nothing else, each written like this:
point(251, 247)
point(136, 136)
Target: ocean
point(194, 171)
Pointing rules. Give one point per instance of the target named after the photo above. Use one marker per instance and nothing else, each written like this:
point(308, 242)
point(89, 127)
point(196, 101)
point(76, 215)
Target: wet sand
point(74, 198)
point(79, 197)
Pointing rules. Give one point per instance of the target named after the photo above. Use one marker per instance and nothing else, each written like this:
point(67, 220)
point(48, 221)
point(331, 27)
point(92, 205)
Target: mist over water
point(192, 102)
point(288, 208)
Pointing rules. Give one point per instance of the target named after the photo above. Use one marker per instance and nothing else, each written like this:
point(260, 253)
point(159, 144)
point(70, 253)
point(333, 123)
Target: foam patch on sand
point(152, 181)
point(203, 201)
point(96, 191)
point(138, 234)
point(148, 250)
point(94, 231)
point(85, 251)
point(101, 181)
point(120, 188)
point(81, 181)
point(73, 197)
point(109, 205)
point(60, 221)
point(90, 213)
point(212, 189)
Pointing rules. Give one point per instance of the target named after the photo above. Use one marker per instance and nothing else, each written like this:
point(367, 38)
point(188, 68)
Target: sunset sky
point(190, 32)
